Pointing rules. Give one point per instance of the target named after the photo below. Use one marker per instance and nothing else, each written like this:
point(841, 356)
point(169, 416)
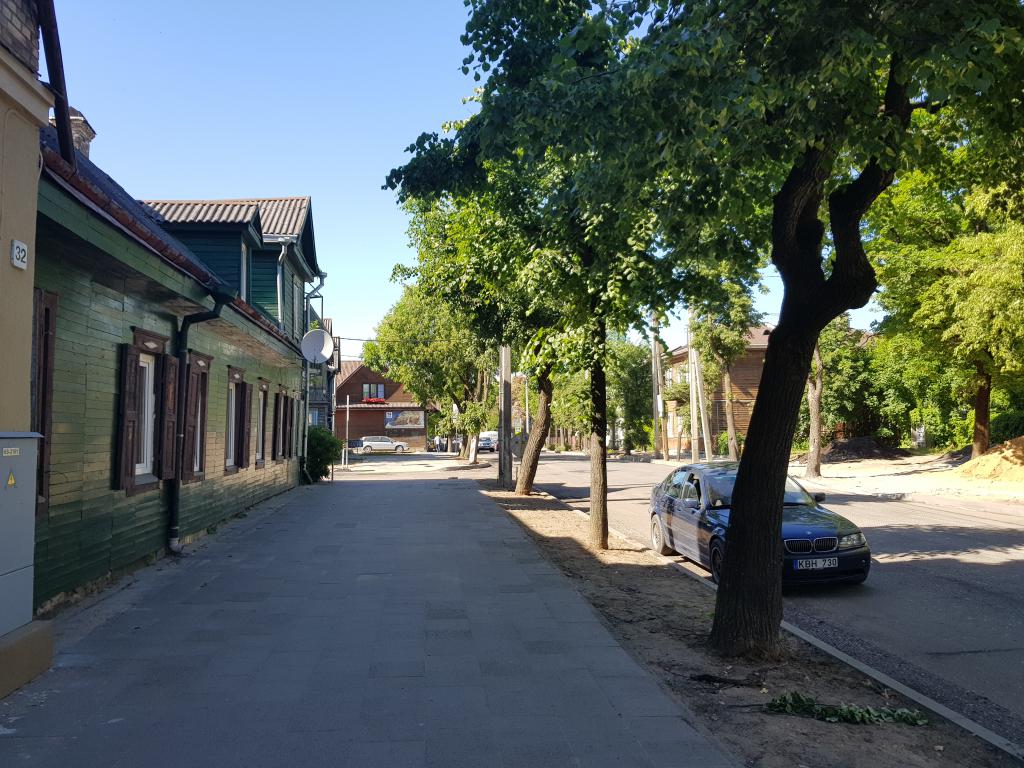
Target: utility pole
point(656, 389)
point(505, 420)
point(690, 370)
point(703, 406)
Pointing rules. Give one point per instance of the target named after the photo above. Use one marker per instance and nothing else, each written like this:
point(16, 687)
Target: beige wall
point(24, 107)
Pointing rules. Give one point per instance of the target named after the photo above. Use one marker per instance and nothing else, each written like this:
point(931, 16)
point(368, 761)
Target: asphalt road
point(943, 608)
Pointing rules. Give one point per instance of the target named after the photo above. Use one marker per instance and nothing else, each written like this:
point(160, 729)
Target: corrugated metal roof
point(282, 215)
point(203, 211)
point(345, 370)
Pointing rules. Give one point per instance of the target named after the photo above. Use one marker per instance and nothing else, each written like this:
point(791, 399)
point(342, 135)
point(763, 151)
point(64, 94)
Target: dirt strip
point(663, 618)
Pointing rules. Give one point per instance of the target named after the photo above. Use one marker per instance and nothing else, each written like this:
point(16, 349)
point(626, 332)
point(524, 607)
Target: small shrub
point(324, 450)
point(795, 703)
point(1007, 426)
point(722, 443)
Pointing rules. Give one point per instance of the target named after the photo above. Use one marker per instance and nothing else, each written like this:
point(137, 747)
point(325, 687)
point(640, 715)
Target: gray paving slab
point(376, 621)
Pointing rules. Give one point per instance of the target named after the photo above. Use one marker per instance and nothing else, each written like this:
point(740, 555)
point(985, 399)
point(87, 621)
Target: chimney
point(82, 133)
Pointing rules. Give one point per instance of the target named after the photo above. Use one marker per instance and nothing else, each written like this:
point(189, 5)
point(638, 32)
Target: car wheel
point(399, 448)
point(717, 557)
point(658, 537)
point(367, 449)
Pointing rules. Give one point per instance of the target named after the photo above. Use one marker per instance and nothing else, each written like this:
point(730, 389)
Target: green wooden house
point(166, 367)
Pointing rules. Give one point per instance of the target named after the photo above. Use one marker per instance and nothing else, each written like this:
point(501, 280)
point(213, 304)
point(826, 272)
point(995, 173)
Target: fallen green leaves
point(795, 703)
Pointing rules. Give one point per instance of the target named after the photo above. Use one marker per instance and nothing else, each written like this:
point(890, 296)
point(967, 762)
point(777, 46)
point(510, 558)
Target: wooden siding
point(89, 529)
point(746, 376)
point(220, 251)
point(264, 282)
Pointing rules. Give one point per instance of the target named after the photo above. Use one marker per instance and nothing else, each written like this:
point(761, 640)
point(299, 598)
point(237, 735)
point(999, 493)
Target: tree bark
point(730, 414)
point(472, 448)
point(748, 607)
point(598, 447)
point(982, 412)
point(815, 385)
point(538, 435)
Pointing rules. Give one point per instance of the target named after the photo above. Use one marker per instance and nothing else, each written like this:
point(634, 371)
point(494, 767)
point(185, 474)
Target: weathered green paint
point(106, 284)
point(263, 293)
point(220, 249)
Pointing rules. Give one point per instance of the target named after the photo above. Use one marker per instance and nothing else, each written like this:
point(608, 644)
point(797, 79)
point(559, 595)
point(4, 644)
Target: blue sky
point(227, 98)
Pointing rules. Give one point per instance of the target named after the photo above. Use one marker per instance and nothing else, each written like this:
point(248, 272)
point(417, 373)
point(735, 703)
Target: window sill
point(260, 463)
point(142, 484)
point(198, 477)
point(230, 470)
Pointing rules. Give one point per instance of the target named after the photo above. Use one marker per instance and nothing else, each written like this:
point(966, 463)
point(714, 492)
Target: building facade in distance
point(377, 406)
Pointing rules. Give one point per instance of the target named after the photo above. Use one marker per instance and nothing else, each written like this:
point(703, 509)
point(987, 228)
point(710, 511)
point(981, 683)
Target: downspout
point(220, 298)
point(55, 70)
point(305, 381)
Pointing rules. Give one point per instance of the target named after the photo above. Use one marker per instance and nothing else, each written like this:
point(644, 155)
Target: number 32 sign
point(19, 254)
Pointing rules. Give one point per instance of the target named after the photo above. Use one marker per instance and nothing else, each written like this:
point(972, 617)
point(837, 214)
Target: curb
point(1011, 748)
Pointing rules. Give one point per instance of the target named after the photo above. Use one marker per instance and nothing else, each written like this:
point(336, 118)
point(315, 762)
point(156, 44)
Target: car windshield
point(720, 485)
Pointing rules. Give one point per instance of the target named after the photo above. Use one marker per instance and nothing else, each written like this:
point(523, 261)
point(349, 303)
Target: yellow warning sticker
point(10, 480)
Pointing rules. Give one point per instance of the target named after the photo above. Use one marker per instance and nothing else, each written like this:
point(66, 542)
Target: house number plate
point(19, 254)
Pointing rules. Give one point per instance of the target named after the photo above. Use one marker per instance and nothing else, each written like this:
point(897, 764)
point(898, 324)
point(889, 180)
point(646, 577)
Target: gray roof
point(140, 214)
point(203, 211)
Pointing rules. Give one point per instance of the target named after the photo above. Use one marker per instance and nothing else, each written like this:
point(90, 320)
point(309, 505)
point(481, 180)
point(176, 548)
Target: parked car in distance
point(690, 516)
point(382, 443)
point(487, 443)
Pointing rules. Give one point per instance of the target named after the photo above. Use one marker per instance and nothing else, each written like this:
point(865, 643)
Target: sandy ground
point(663, 617)
point(914, 475)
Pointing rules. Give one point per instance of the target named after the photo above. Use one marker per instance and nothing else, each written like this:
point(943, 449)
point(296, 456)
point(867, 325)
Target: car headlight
point(852, 540)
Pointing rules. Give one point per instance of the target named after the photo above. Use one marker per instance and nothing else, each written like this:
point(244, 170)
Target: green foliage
point(630, 390)
point(849, 396)
point(795, 703)
point(324, 449)
point(722, 443)
point(570, 404)
point(1007, 426)
point(678, 391)
point(424, 344)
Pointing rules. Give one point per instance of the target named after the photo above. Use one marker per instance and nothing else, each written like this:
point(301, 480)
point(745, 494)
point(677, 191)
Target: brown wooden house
point(377, 406)
point(746, 376)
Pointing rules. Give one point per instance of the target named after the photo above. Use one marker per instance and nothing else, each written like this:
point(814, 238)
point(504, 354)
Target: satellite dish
point(317, 346)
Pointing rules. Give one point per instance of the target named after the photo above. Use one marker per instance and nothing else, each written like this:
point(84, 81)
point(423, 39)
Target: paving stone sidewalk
point(386, 621)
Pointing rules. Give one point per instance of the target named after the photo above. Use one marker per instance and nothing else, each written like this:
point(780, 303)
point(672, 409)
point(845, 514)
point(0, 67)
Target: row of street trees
point(629, 156)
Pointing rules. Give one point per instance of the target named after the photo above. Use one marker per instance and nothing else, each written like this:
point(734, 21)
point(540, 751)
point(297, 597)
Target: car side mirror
point(691, 503)
point(819, 497)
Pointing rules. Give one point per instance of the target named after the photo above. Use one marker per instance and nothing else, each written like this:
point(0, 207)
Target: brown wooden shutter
point(128, 429)
point(290, 432)
point(276, 430)
point(246, 425)
point(168, 417)
point(42, 411)
point(191, 424)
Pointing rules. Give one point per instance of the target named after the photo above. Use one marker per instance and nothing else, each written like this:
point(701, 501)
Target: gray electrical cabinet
point(17, 527)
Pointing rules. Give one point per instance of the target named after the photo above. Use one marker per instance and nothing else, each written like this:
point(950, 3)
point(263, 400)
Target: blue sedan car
point(690, 516)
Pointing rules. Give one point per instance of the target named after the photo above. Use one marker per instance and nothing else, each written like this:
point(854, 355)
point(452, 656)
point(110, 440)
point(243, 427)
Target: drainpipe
point(280, 283)
point(305, 381)
point(220, 298)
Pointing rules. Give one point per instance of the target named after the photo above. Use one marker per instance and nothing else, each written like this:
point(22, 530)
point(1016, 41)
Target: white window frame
point(232, 430)
point(261, 400)
point(147, 413)
point(243, 282)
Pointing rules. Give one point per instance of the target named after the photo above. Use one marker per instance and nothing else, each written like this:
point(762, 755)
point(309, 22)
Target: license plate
point(816, 565)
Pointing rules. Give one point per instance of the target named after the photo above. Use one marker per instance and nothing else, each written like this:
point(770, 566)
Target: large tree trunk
point(473, 441)
point(815, 385)
point(598, 447)
point(982, 411)
point(538, 436)
point(748, 608)
point(730, 415)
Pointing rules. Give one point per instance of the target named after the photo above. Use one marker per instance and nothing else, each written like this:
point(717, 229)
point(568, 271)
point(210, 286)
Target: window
point(196, 409)
point(261, 423)
point(148, 413)
point(284, 426)
point(232, 432)
point(373, 391)
point(239, 422)
point(145, 406)
point(243, 281)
